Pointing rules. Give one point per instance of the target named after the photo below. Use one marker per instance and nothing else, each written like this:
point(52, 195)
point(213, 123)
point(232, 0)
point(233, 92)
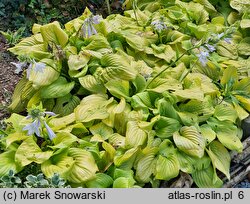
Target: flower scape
point(135, 99)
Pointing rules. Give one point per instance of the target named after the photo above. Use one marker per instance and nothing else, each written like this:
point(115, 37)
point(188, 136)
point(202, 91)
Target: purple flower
point(96, 19)
point(88, 28)
point(33, 128)
point(228, 40)
point(158, 25)
point(203, 57)
point(37, 114)
point(49, 131)
point(211, 48)
point(19, 66)
point(39, 67)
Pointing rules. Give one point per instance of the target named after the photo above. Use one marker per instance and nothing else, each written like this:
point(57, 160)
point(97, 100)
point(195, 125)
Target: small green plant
point(13, 38)
point(10, 181)
point(31, 181)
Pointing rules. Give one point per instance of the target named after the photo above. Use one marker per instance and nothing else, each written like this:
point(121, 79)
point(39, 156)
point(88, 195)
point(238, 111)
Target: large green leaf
point(220, 157)
point(65, 105)
point(116, 66)
point(225, 112)
point(100, 181)
point(165, 127)
point(206, 178)
point(135, 136)
point(146, 165)
point(58, 123)
point(29, 152)
point(167, 168)
point(240, 5)
point(187, 163)
point(63, 140)
point(126, 160)
point(13, 137)
point(59, 163)
point(118, 88)
point(32, 47)
point(190, 141)
point(120, 173)
point(79, 61)
point(244, 46)
point(58, 88)
point(8, 163)
point(161, 85)
point(227, 133)
point(49, 74)
point(52, 33)
point(92, 84)
point(101, 129)
point(92, 107)
point(84, 166)
point(208, 133)
point(192, 93)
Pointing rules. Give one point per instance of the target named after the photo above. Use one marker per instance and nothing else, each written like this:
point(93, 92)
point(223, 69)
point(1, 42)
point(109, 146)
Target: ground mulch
point(8, 78)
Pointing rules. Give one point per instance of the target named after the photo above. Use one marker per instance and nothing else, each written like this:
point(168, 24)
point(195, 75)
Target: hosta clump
point(139, 98)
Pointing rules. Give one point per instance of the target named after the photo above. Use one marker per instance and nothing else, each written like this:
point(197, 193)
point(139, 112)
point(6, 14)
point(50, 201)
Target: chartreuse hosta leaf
point(165, 127)
point(65, 105)
point(101, 129)
point(123, 178)
point(187, 163)
point(32, 47)
point(116, 66)
point(118, 88)
point(204, 175)
point(167, 109)
point(16, 136)
point(15, 120)
point(18, 102)
point(115, 110)
point(146, 165)
point(160, 85)
point(241, 112)
point(208, 133)
point(49, 74)
point(229, 75)
point(79, 61)
point(8, 163)
point(83, 167)
point(63, 140)
point(58, 123)
point(93, 85)
point(52, 33)
point(227, 134)
point(190, 141)
point(29, 152)
point(167, 165)
point(92, 107)
point(244, 102)
point(58, 88)
point(126, 160)
point(220, 157)
point(207, 178)
point(225, 112)
point(135, 136)
point(58, 163)
point(100, 181)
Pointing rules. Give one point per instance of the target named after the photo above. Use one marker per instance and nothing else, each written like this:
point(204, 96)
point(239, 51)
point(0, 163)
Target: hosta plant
point(135, 99)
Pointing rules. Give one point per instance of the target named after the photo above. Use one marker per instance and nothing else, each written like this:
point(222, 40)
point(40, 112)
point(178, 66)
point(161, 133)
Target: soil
point(8, 78)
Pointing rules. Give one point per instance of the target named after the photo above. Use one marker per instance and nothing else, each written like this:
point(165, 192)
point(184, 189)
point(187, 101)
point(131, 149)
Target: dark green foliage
point(24, 13)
